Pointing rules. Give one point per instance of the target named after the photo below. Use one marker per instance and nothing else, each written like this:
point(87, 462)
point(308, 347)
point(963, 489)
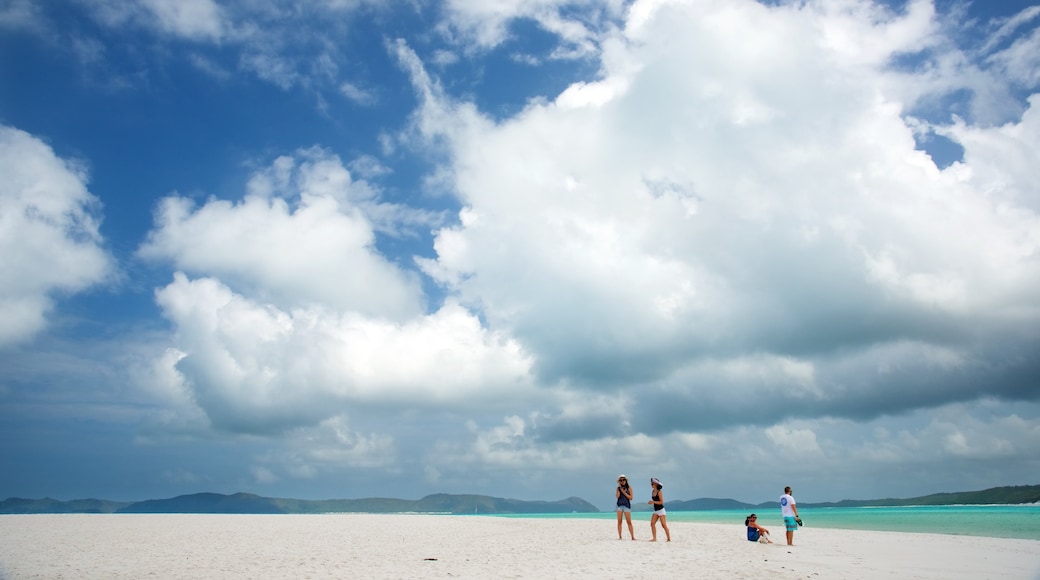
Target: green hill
point(206, 503)
point(247, 503)
point(1019, 494)
point(17, 505)
point(442, 503)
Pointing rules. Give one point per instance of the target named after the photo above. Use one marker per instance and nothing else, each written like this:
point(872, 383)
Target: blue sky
point(349, 248)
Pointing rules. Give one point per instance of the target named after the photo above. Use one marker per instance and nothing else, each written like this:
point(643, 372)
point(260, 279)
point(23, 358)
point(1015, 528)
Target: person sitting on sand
point(755, 532)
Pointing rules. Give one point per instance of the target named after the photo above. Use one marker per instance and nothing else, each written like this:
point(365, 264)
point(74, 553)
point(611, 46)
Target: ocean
point(994, 521)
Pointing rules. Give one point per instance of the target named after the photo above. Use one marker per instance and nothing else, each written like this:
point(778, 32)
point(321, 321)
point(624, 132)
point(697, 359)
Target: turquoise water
point(990, 521)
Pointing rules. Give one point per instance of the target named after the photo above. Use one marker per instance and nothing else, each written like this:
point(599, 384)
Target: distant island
point(1008, 495)
point(247, 503)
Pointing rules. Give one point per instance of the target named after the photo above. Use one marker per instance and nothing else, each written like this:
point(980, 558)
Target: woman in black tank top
point(657, 501)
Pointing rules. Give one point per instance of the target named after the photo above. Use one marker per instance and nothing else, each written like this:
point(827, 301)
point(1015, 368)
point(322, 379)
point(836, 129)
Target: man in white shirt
point(789, 510)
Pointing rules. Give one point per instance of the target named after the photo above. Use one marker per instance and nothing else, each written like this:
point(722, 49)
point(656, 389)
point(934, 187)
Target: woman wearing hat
point(624, 505)
point(657, 500)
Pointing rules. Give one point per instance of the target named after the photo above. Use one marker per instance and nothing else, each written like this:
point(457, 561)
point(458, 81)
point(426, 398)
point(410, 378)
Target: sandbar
point(444, 546)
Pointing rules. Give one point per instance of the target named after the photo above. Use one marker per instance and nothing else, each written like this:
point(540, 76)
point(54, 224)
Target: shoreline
point(474, 546)
point(981, 521)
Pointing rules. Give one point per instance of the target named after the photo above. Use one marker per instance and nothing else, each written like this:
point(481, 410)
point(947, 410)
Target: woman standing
point(657, 500)
point(624, 505)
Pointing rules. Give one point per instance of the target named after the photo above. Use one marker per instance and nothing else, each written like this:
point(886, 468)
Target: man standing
point(789, 510)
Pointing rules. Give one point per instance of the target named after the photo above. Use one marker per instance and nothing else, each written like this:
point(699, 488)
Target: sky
point(363, 248)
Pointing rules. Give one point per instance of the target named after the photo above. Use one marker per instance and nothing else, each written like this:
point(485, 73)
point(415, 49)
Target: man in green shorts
point(789, 510)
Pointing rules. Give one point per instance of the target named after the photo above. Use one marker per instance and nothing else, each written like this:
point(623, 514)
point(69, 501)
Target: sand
point(84, 546)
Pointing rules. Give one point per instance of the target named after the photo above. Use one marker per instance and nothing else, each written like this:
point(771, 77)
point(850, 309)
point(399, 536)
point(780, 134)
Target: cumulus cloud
point(254, 368)
point(309, 453)
point(295, 316)
point(998, 161)
point(725, 249)
point(304, 233)
point(959, 439)
point(49, 234)
point(510, 447)
point(743, 203)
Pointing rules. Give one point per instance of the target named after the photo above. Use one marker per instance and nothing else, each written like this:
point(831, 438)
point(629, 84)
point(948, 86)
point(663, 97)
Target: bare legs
point(664, 525)
point(631, 530)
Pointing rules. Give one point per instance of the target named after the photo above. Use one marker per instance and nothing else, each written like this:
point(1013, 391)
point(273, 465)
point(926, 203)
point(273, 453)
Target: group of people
point(755, 532)
point(625, 495)
point(789, 511)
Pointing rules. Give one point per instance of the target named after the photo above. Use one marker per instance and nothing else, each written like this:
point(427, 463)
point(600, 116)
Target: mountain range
point(1007, 495)
point(247, 503)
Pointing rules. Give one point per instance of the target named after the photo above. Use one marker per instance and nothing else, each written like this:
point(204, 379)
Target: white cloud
point(279, 41)
point(1020, 61)
point(1009, 26)
point(49, 236)
point(263, 475)
point(295, 316)
point(699, 442)
point(669, 220)
point(724, 251)
point(209, 67)
point(955, 433)
point(357, 94)
point(195, 19)
point(305, 233)
point(273, 68)
point(578, 23)
point(799, 441)
point(592, 94)
point(869, 33)
point(999, 163)
point(511, 446)
point(199, 20)
point(326, 449)
point(254, 368)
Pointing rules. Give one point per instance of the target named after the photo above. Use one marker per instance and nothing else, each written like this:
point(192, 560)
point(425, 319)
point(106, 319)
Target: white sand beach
point(428, 546)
